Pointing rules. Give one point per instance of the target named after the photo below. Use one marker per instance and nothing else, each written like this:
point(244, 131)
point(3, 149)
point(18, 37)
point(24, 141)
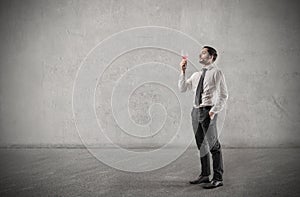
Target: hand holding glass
point(183, 63)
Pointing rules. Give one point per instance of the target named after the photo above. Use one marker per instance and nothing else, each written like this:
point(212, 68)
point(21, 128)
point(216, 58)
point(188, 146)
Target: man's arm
point(183, 84)
point(222, 93)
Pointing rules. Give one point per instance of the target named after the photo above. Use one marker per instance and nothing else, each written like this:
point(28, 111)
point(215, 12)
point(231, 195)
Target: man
point(210, 96)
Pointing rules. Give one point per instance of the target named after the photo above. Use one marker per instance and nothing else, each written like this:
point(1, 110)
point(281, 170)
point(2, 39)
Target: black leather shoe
point(200, 179)
point(213, 184)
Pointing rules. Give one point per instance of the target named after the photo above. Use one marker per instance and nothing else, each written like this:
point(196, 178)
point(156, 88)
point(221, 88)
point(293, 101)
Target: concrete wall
point(43, 44)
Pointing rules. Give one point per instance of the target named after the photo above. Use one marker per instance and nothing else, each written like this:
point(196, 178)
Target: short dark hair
point(211, 51)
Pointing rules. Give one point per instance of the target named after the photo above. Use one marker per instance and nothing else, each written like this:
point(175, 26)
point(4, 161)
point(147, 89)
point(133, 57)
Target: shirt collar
point(209, 67)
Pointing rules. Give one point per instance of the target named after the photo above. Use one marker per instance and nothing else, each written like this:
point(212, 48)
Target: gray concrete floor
point(74, 172)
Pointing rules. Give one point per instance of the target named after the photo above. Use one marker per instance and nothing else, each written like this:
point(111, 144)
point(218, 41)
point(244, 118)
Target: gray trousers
point(206, 135)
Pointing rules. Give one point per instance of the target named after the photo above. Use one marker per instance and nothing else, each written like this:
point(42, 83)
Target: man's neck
point(206, 65)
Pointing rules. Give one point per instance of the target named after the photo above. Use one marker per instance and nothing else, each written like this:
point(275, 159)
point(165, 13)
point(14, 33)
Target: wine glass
point(184, 54)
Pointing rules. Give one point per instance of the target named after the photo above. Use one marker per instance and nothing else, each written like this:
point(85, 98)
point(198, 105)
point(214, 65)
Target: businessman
point(210, 96)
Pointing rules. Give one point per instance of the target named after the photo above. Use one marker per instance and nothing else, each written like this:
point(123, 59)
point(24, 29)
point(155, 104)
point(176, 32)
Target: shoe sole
point(212, 187)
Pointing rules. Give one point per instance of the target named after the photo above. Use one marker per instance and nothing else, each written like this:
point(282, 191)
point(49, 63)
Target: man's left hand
point(211, 115)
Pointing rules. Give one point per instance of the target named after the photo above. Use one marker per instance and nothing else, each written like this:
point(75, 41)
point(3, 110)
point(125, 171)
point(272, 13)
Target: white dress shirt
point(214, 87)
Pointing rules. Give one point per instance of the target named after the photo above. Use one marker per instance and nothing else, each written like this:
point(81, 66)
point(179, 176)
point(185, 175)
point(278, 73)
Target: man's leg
point(217, 161)
point(215, 149)
point(204, 151)
point(204, 146)
point(204, 156)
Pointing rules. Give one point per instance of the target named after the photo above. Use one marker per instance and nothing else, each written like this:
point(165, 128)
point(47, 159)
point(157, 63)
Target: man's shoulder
point(195, 74)
point(217, 69)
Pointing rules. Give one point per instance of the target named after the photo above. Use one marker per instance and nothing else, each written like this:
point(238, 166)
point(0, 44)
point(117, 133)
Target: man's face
point(204, 57)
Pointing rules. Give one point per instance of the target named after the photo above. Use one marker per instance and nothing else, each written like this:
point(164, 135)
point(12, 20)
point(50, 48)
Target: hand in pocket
point(211, 115)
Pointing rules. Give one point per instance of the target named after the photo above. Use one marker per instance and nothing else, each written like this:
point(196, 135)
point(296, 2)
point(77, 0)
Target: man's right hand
point(183, 65)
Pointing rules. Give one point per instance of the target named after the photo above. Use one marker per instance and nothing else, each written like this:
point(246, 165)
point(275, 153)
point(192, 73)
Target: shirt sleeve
point(184, 84)
point(222, 94)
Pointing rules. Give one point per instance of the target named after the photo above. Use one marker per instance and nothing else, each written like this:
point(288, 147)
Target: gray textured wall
point(43, 44)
